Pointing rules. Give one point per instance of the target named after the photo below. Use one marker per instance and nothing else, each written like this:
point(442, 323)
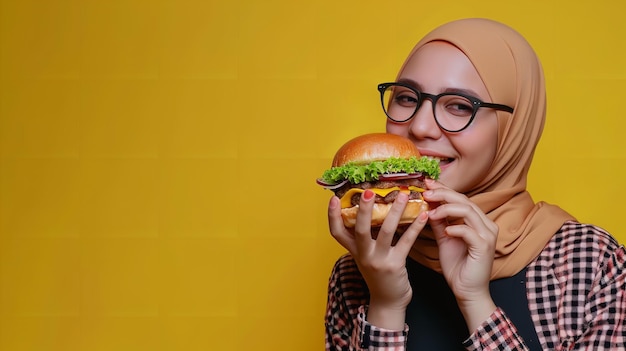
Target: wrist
point(475, 312)
point(386, 317)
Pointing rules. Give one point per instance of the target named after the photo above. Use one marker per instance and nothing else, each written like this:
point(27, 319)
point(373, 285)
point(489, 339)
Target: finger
point(477, 245)
point(443, 195)
point(469, 214)
point(409, 236)
point(336, 226)
point(363, 226)
point(438, 226)
point(390, 224)
point(433, 184)
point(467, 234)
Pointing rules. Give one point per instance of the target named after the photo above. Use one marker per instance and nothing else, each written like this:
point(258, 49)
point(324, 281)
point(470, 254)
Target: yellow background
point(158, 157)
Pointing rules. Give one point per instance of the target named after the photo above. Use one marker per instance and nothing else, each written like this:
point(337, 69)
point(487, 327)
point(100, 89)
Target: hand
point(466, 250)
point(382, 264)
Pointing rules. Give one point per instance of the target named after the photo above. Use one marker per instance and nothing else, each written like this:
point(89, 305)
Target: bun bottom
point(379, 213)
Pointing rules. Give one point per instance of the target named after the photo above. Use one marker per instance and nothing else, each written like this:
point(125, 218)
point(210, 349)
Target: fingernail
point(402, 197)
point(428, 193)
point(334, 202)
point(368, 195)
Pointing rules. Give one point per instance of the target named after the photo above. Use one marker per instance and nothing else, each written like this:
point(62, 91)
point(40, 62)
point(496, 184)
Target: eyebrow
point(416, 85)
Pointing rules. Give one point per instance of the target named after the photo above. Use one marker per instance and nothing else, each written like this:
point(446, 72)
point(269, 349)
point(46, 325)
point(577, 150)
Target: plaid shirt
point(576, 291)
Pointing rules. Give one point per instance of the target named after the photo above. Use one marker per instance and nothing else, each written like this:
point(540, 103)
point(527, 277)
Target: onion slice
point(399, 176)
point(322, 183)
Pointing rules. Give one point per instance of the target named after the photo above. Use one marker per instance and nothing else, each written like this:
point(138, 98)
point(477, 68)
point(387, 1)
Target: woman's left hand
point(466, 239)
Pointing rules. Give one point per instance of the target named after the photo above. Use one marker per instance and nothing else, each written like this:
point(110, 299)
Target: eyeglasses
point(453, 112)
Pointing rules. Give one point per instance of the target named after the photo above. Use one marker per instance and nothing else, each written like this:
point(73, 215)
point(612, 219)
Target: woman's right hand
point(381, 261)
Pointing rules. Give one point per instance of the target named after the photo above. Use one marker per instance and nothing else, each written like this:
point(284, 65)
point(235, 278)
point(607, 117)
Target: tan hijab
point(513, 76)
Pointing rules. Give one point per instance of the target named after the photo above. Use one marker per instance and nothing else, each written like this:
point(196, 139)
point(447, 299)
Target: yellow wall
point(135, 135)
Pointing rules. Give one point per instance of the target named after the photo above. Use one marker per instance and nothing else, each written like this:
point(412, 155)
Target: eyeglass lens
point(452, 112)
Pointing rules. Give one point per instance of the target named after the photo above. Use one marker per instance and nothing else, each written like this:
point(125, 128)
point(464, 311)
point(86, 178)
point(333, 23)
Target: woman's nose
point(423, 124)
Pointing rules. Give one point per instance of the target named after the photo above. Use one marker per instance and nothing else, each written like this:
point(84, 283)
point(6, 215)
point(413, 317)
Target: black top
point(435, 321)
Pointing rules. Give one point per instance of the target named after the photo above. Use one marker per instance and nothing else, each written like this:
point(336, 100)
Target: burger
point(386, 164)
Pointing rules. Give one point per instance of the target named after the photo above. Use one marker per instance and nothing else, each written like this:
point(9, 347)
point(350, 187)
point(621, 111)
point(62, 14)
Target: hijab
point(512, 73)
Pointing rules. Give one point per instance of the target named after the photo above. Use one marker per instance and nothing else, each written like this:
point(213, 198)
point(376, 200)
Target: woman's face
point(439, 67)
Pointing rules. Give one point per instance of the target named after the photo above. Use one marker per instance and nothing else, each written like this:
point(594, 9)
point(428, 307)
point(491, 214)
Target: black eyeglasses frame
point(476, 104)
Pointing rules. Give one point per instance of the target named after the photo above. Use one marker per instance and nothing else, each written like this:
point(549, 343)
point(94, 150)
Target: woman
point(486, 267)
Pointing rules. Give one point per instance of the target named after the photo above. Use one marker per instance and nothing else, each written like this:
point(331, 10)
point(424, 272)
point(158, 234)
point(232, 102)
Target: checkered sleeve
point(605, 307)
point(369, 337)
point(339, 314)
point(496, 333)
point(578, 285)
point(346, 325)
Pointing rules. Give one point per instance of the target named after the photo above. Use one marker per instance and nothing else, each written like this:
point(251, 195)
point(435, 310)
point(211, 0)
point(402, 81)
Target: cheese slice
point(346, 199)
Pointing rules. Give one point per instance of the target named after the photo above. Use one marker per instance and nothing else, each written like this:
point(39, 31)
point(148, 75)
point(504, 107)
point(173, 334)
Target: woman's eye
point(406, 99)
point(461, 108)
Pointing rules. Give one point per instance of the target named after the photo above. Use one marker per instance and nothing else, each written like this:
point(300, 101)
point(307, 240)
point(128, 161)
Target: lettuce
point(358, 173)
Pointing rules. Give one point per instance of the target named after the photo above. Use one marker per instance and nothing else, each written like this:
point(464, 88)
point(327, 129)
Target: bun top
point(374, 147)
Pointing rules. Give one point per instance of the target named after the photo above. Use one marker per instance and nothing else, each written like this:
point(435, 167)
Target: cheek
point(481, 154)
point(480, 141)
point(476, 150)
point(398, 129)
